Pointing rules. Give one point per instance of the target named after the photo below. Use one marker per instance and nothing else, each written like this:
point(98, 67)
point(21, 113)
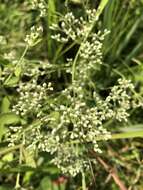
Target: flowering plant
point(69, 123)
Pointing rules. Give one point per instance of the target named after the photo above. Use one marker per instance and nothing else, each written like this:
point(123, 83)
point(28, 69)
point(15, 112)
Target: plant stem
point(83, 181)
point(10, 149)
point(18, 174)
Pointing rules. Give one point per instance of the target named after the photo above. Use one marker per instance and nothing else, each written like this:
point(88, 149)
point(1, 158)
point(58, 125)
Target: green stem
point(24, 53)
point(83, 181)
point(10, 149)
point(17, 185)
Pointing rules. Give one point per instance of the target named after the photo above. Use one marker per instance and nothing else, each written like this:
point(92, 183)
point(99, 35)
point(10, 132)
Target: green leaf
point(46, 184)
point(51, 19)
point(132, 134)
point(51, 12)
point(5, 105)
point(7, 119)
point(129, 133)
point(129, 35)
point(108, 14)
point(29, 159)
point(137, 127)
point(55, 187)
point(101, 7)
point(12, 81)
point(18, 71)
point(6, 158)
point(2, 131)
point(62, 186)
point(5, 188)
point(9, 149)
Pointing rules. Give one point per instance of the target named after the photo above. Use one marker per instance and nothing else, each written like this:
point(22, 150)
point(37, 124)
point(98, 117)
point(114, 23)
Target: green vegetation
point(71, 95)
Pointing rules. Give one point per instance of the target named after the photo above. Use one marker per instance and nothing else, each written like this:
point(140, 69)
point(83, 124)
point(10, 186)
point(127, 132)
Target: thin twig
point(113, 173)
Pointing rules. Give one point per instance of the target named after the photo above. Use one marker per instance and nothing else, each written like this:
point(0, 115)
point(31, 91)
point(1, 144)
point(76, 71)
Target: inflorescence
point(68, 129)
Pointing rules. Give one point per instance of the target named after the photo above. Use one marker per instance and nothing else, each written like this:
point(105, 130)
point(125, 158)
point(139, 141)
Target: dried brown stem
point(113, 173)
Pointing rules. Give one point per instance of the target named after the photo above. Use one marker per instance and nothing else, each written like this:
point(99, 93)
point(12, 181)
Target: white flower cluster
point(137, 102)
point(78, 125)
point(91, 14)
point(14, 135)
point(40, 5)
point(120, 100)
point(90, 56)
point(70, 159)
point(74, 28)
point(38, 68)
point(31, 98)
point(90, 52)
point(66, 130)
point(34, 37)
point(10, 55)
